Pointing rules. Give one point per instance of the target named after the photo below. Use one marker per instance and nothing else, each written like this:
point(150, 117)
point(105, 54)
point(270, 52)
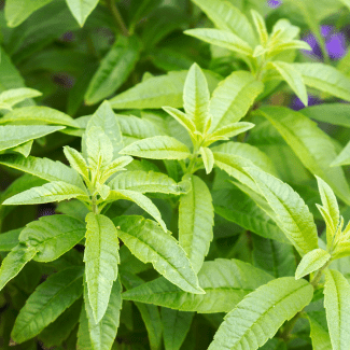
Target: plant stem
point(94, 205)
point(117, 17)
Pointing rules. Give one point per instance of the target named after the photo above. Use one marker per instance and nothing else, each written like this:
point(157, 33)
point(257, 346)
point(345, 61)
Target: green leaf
point(149, 243)
point(289, 45)
point(260, 26)
point(117, 165)
point(224, 281)
point(52, 192)
point(312, 146)
point(293, 78)
point(325, 78)
point(159, 91)
point(101, 259)
point(182, 119)
point(52, 236)
point(343, 157)
point(48, 302)
point(81, 9)
point(14, 262)
point(196, 220)
point(17, 11)
point(44, 168)
point(346, 3)
point(256, 319)
point(9, 240)
point(76, 161)
point(158, 147)
point(83, 336)
point(11, 97)
point(103, 333)
point(23, 149)
point(14, 135)
point(231, 130)
point(196, 97)
point(114, 69)
point(39, 115)
point(207, 158)
point(223, 39)
point(311, 262)
point(337, 305)
point(292, 214)
point(319, 331)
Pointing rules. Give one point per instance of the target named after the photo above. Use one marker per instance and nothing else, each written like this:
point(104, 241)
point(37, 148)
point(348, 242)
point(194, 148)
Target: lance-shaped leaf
point(145, 182)
point(319, 331)
point(260, 26)
point(117, 165)
point(293, 78)
point(181, 118)
point(257, 319)
point(158, 147)
point(289, 45)
point(337, 305)
point(52, 236)
point(207, 158)
point(14, 262)
point(76, 161)
point(14, 135)
point(83, 336)
point(325, 78)
point(230, 130)
point(44, 168)
point(114, 69)
point(196, 220)
point(313, 147)
point(23, 149)
point(48, 302)
point(343, 157)
point(11, 97)
point(223, 39)
point(224, 281)
point(196, 97)
point(292, 214)
point(149, 243)
point(81, 9)
point(101, 262)
point(42, 115)
point(8, 240)
point(52, 192)
point(103, 333)
point(311, 262)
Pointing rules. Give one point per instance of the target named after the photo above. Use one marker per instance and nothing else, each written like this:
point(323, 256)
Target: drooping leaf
point(149, 243)
point(48, 302)
point(81, 9)
point(8, 240)
point(224, 281)
point(256, 319)
point(101, 260)
point(311, 262)
point(11, 97)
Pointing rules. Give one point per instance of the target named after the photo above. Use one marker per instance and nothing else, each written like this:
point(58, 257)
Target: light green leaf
point(224, 281)
point(14, 135)
point(38, 115)
point(76, 161)
point(343, 157)
point(151, 244)
point(83, 336)
point(256, 319)
point(312, 146)
point(231, 130)
point(319, 331)
point(196, 220)
point(337, 305)
point(103, 333)
point(14, 262)
point(114, 69)
point(196, 97)
point(17, 11)
point(23, 149)
point(101, 259)
point(52, 236)
point(292, 214)
point(117, 165)
point(158, 147)
point(325, 78)
point(81, 9)
point(44, 168)
point(293, 78)
point(221, 38)
point(48, 302)
point(289, 45)
point(346, 3)
point(11, 97)
point(260, 26)
point(52, 192)
point(9, 240)
point(311, 262)
point(181, 118)
point(207, 158)
point(159, 91)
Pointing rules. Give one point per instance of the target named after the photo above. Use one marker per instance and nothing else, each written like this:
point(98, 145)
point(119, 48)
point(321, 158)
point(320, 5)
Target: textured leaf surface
point(81, 9)
point(11, 97)
point(149, 243)
point(225, 282)
point(319, 330)
point(8, 240)
point(311, 262)
point(343, 157)
point(207, 158)
point(260, 314)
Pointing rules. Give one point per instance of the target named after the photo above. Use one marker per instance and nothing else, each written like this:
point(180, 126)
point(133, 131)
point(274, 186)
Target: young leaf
point(76, 161)
point(208, 159)
point(196, 220)
point(48, 302)
point(52, 236)
point(11, 97)
point(293, 216)
point(81, 9)
point(101, 260)
point(256, 319)
point(117, 165)
point(311, 262)
point(231, 130)
point(181, 118)
point(52, 192)
point(14, 262)
point(114, 69)
point(260, 27)
point(337, 305)
point(151, 244)
point(159, 147)
point(9, 240)
point(224, 281)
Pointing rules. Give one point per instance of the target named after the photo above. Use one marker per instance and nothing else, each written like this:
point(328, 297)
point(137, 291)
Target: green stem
point(94, 205)
point(118, 19)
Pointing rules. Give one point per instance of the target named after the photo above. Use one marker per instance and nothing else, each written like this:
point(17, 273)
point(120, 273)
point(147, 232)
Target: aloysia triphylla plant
point(202, 216)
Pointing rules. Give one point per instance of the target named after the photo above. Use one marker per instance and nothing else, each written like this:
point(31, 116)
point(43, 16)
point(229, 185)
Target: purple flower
point(312, 101)
point(336, 46)
point(274, 3)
